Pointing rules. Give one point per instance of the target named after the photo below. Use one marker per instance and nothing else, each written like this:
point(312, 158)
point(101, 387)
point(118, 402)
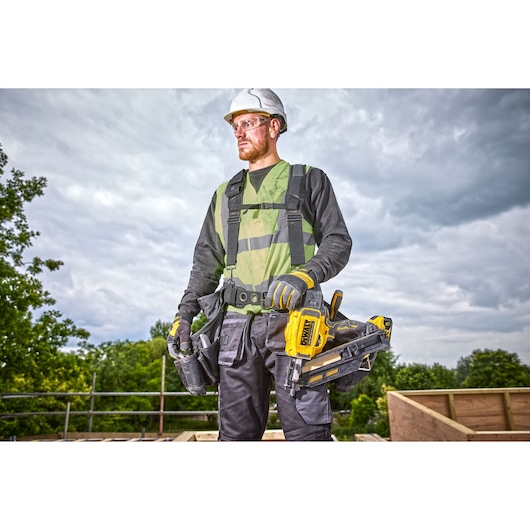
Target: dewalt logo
point(307, 332)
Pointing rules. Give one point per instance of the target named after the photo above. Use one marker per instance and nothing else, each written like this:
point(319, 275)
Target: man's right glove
point(286, 290)
point(186, 361)
point(179, 336)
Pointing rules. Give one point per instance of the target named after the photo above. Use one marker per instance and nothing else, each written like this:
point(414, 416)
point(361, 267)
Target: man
point(262, 279)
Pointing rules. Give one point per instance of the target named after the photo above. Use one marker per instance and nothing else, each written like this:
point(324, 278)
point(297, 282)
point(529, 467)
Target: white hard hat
point(262, 100)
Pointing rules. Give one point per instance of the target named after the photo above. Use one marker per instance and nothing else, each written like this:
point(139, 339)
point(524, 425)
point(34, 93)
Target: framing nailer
point(325, 346)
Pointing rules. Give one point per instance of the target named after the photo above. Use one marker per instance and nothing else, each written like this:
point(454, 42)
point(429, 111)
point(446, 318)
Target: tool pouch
point(190, 373)
point(208, 359)
point(206, 341)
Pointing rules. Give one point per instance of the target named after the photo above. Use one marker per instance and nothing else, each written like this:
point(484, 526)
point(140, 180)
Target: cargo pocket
point(206, 342)
point(209, 361)
point(276, 324)
point(313, 405)
point(231, 339)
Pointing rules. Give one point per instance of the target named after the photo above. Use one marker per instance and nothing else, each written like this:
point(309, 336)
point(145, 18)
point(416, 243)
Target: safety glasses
point(249, 123)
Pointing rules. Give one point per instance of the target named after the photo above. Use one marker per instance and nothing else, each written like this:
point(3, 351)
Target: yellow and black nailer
point(326, 346)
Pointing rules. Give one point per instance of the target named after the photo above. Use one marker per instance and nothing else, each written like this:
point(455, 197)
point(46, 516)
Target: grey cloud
point(444, 156)
point(433, 185)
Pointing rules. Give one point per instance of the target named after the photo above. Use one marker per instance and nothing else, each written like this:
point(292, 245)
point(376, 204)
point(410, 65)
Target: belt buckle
point(242, 297)
point(251, 297)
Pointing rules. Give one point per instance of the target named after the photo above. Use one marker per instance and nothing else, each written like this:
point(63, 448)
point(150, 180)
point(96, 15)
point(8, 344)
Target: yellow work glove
point(179, 336)
point(286, 290)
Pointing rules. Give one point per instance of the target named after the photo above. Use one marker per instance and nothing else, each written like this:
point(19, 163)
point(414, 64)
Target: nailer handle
point(336, 301)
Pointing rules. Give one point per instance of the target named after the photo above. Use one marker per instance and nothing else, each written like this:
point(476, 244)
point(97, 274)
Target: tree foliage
point(417, 376)
point(383, 372)
point(496, 369)
point(362, 410)
point(27, 340)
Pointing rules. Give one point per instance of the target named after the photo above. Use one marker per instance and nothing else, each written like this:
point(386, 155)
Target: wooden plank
point(481, 411)
point(437, 402)
point(508, 411)
point(451, 404)
point(500, 436)
point(412, 421)
point(273, 435)
point(369, 437)
point(206, 436)
point(186, 436)
point(520, 407)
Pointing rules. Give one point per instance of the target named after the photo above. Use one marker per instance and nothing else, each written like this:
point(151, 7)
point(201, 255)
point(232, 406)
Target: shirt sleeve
point(333, 240)
point(208, 266)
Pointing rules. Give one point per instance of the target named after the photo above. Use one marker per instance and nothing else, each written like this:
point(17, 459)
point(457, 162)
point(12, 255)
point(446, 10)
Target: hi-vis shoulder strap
point(293, 205)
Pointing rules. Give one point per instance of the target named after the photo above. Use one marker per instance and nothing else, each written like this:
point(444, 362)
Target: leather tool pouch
point(206, 341)
point(190, 373)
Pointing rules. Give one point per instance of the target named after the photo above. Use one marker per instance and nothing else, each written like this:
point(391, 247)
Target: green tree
point(160, 329)
point(463, 366)
point(496, 369)
point(64, 372)
point(415, 376)
point(443, 377)
point(382, 425)
point(418, 376)
point(383, 372)
point(125, 366)
point(27, 341)
point(363, 409)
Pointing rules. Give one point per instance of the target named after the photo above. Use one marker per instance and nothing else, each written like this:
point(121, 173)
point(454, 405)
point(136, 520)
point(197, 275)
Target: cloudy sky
point(434, 186)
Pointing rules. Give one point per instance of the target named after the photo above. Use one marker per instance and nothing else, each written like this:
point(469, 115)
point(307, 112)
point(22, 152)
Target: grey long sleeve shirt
point(320, 208)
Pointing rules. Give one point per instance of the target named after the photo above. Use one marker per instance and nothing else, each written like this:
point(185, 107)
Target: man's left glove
point(286, 290)
point(179, 336)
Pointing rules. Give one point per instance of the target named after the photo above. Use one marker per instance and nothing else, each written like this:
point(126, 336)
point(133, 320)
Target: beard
point(255, 150)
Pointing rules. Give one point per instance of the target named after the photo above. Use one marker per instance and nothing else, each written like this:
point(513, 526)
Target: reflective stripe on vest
point(263, 245)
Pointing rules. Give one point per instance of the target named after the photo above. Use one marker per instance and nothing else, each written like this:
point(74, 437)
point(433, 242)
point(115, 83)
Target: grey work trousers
point(251, 358)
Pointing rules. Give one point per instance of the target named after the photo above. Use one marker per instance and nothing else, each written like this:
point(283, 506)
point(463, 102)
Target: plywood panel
point(520, 404)
point(412, 421)
point(437, 402)
point(492, 414)
point(482, 411)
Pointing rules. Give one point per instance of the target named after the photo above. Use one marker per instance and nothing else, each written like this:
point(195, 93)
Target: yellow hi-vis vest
point(263, 246)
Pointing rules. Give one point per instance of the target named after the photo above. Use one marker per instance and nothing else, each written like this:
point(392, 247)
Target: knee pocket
point(313, 405)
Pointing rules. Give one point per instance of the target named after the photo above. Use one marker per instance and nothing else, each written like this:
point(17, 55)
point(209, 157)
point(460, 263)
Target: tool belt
point(239, 297)
point(200, 368)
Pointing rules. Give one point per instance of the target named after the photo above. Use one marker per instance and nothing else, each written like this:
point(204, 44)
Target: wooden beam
point(411, 421)
point(508, 411)
point(369, 437)
point(452, 409)
point(500, 436)
point(186, 436)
